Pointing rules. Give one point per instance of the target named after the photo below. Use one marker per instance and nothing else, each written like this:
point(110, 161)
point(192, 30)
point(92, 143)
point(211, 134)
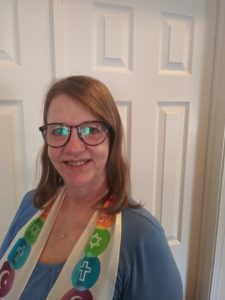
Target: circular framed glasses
point(57, 135)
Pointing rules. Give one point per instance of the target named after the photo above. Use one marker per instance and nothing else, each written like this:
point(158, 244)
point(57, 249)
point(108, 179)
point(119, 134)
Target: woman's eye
point(63, 131)
point(86, 131)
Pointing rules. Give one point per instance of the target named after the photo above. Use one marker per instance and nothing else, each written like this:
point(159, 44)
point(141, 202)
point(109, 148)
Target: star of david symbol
point(34, 230)
point(95, 240)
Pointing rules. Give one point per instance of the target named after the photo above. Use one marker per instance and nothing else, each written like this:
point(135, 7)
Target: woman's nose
point(75, 144)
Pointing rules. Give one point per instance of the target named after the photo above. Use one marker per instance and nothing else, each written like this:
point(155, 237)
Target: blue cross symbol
point(84, 270)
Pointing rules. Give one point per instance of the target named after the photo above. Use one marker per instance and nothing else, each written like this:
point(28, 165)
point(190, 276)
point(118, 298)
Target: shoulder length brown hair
point(96, 97)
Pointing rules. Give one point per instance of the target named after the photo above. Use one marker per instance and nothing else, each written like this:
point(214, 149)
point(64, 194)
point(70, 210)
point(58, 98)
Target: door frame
point(212, 239)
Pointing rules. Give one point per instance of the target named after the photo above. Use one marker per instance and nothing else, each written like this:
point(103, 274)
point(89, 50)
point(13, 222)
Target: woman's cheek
point(54, 156)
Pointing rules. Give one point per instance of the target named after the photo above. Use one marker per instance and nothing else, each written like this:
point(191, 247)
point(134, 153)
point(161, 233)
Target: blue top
point(146, 268)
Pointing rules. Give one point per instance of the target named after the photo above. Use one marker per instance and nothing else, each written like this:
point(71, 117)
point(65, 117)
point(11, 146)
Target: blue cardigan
point(147, 270)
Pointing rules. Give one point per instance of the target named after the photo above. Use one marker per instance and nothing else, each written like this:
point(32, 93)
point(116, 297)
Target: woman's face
point(81, 166)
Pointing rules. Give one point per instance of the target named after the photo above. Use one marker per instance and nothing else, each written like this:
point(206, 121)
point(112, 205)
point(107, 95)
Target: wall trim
point(211, 242)
point(218, 280)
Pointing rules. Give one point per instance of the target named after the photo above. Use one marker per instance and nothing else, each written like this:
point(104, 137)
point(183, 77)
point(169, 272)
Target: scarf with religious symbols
point(90, 270)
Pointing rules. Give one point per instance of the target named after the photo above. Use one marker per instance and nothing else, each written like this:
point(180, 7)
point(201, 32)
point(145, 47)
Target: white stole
point(89, 272)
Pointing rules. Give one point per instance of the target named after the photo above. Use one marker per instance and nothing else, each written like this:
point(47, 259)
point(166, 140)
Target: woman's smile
point(77, 163)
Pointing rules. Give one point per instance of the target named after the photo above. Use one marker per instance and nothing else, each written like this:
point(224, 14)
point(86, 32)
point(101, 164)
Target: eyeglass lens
point(57, 135)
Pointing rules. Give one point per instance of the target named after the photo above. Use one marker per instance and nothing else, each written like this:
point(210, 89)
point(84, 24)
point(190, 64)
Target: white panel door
point(156, 57)
point(25, 72)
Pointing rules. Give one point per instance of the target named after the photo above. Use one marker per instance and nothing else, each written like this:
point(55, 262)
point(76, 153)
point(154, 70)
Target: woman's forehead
point(65, 108)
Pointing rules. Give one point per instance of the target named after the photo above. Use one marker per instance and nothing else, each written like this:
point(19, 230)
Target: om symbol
point(7, 275)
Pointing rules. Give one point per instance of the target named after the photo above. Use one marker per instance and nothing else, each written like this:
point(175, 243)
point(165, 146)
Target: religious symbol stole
point(89, 272)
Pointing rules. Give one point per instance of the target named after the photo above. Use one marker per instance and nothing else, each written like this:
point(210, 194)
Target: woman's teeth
point(76, 163)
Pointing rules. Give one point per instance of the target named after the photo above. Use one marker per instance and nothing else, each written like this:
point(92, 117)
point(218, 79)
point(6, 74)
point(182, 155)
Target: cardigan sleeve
point(147, 269)
point(25, 211)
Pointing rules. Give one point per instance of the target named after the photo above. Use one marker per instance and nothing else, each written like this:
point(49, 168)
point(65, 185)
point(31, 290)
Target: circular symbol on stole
point(33, 230)
point(98, 242)
point(74, 294)
point(19, 253)
point(105, 220)
point(7, 275)
point(85, 273)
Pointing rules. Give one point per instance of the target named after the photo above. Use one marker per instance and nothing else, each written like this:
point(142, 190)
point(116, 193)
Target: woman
point(79, 235)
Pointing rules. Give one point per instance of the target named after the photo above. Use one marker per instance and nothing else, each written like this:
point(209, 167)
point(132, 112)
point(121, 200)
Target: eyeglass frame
point(44, 127)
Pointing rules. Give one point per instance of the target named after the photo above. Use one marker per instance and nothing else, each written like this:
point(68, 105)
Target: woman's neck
point(83, 198)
